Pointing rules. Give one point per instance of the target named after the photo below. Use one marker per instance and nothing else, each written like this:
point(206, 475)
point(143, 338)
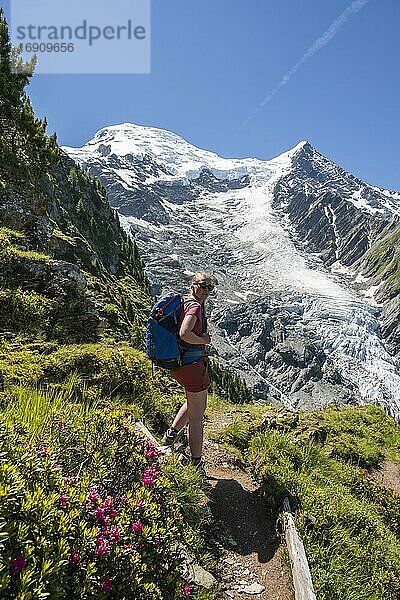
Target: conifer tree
point(26, 152)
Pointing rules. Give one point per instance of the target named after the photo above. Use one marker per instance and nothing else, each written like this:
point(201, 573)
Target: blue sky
point(214, 62)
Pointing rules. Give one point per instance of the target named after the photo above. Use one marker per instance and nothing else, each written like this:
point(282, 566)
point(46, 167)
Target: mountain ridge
point(286, 235)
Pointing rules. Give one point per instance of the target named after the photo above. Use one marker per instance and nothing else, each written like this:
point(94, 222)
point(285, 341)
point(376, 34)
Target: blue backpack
point(162, 330)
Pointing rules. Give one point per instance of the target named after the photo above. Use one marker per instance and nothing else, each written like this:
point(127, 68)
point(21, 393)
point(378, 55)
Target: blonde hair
point(199, 277)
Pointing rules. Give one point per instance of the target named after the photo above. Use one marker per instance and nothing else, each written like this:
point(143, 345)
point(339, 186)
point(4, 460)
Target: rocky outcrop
point(344, 221)
point(381, 265)
point(282, 360)
point(328, 224)
point(64, 243)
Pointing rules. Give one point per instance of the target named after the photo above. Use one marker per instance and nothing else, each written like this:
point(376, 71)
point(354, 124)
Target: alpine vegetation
point(87, 509)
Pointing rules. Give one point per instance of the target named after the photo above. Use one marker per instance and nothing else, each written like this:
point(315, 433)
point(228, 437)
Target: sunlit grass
point(353, 537)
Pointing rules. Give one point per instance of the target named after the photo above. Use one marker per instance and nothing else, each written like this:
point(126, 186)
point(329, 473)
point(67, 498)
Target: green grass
point(354, 545)
point(383, 260)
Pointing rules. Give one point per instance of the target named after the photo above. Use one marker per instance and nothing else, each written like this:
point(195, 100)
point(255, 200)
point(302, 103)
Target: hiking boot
point(184, 460)
point(169, 437)
point(199, 465)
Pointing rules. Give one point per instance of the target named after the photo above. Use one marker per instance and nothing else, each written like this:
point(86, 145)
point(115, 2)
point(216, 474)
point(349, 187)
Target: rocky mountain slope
point(63, 246)
point(296, 245)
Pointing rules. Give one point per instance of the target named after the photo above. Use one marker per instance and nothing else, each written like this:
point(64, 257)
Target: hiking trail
point(243, 538)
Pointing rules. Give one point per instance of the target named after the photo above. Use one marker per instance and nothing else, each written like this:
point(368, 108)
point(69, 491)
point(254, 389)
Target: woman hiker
point(193, 374)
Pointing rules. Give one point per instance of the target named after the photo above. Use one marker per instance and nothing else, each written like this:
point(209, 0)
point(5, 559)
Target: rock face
point(63, 243)
point(348, 224)
point(289, 242)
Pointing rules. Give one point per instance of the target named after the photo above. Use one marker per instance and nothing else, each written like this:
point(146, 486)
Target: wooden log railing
point(302, 580)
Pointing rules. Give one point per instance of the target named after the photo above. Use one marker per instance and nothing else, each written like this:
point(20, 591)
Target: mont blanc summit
point(305, 308)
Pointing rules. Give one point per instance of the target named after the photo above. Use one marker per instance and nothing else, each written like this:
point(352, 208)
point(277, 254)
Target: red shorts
point(194, 377)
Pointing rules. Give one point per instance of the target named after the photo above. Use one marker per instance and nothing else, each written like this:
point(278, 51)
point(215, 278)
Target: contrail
point(326, 37)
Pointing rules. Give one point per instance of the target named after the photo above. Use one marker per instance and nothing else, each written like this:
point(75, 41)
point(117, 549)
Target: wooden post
point(143, 429)
point(164, 451)
point(302, 581)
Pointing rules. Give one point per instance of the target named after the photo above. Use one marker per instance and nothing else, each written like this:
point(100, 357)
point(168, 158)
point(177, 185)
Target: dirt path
point(388, 474)
point(249, 558)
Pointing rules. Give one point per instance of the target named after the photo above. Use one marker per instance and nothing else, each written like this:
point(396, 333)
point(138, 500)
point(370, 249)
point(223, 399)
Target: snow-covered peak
point(304, 144)
point(239, 228)
point(179, 157)
point(181, 160)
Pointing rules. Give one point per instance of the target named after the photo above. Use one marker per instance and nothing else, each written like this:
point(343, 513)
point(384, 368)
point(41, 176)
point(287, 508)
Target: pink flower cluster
point(113, 533)
point(137, 526)
point(105, 512)
point(73, 558)
point(93, 496)
point(18, 563)
point(106, 585)
point(150, 451)
point(150, 475)
point(186, 590)
point(63, 499)
point(102, 544)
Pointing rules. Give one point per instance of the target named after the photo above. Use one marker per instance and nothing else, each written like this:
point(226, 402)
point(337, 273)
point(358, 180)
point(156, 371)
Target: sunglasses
point(205, 286)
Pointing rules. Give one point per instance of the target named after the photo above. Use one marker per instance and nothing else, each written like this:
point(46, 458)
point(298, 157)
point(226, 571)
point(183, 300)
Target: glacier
point(230, 226)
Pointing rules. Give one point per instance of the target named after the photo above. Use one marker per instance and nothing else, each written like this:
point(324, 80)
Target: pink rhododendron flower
point(113, 533)
point(73, 559)
point(18, 563)
point(44, 451)
point(137, 527)
point(63, 499)
point(186, 590)
point(102, 546)
point(99, 513)
point(93, 496)
point(108, 507)
point(150, 475)
point(150, 451)
point(106, 584)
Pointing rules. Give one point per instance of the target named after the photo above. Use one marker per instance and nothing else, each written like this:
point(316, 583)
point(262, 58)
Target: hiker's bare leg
point(196, 403)
point(182, 417)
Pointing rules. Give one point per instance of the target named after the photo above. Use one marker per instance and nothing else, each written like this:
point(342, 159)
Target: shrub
point(96, 520)
point(22, 365)
point(114, 371)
